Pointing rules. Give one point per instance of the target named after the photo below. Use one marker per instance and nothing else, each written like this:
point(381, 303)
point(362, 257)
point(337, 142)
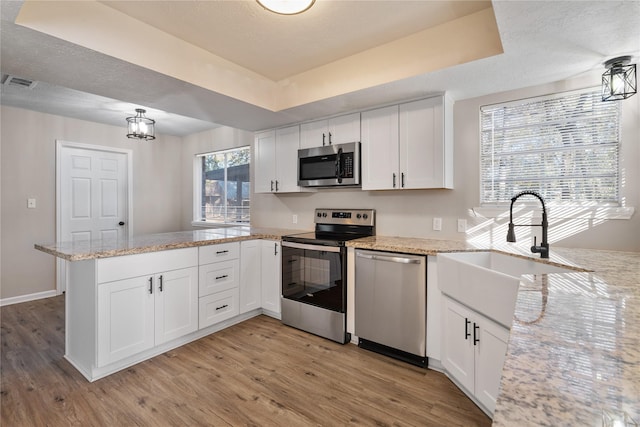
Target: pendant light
point(286, 7)
point(619, 81)
point(141, 127)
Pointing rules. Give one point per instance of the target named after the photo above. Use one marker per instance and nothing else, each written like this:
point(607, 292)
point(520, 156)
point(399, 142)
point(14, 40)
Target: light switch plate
point(295, 219)
point(31, 203)
point(462, 225)
point(437, 224)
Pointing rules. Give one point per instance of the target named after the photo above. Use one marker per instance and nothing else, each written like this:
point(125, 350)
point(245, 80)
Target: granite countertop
point(93, 249)
point(574, 345)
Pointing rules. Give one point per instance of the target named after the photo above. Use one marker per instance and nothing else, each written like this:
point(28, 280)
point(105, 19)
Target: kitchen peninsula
point(573, 352)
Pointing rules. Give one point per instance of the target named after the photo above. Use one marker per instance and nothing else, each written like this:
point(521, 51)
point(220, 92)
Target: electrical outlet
point(437, 224)
point(295, 219)
point(462, 225)
point(31, 203)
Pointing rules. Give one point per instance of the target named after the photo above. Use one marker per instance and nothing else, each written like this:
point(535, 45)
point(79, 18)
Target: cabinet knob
point(121, 223)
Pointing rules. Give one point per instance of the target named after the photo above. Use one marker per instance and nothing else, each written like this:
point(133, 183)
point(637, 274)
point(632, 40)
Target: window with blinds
point(564, 146)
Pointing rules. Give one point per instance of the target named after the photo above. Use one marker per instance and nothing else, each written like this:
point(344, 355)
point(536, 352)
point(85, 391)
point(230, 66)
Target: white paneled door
point(93, 199)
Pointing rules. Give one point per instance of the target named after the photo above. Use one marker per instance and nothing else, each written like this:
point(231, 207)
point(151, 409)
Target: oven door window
point(314, 277)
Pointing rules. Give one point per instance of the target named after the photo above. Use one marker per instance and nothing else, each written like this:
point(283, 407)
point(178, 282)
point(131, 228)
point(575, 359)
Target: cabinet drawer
point(221, 252)
point(218, 307)
point(219, 276)
point(127, 266)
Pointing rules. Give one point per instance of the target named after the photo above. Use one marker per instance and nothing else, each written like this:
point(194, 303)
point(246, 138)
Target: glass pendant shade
point(619, 81)
point(141, 127)
point(286, 7)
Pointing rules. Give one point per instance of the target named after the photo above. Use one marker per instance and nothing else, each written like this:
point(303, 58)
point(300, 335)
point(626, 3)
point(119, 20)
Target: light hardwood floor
point(257, 373)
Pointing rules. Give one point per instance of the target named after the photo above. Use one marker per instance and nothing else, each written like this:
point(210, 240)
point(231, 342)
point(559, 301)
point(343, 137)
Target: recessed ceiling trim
point(90, 24)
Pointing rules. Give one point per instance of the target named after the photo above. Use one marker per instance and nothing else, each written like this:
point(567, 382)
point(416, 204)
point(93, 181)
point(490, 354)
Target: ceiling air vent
point(19, 82)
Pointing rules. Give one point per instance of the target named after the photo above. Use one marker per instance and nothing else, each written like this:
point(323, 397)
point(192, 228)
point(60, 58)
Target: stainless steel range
point(314, 272)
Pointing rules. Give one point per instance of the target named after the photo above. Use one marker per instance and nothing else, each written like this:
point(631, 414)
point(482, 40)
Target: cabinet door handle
point(394, 180)
point(402, 179)
point(221, 252)
point(160, 278)
point(151, 285)
point(330, 138)
point(276, 185)
point(475, 334)
point(224, 276)
point(323, 139)
point(275, 249)
point(271, 185)
point(222, 306)
point(467, 334)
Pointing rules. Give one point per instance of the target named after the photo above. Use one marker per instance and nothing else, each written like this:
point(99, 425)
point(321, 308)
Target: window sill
point(559, 212)
point(204, 224)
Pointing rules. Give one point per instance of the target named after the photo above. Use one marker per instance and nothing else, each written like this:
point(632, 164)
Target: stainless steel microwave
point(329, 166)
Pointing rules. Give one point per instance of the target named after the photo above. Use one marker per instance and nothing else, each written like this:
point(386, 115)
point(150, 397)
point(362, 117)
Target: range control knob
point(359, 216)
point(324, 214)
point(319, 215)
point(365, 216)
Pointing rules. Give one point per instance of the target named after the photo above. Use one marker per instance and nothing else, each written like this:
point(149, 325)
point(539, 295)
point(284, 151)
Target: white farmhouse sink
point(487, 281)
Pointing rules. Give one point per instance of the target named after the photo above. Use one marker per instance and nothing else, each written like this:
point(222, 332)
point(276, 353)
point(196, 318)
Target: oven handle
point(310, 247)
point(389, 258)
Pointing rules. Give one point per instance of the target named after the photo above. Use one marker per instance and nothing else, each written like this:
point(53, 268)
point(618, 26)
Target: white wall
point(410, 213)
point(28, 141)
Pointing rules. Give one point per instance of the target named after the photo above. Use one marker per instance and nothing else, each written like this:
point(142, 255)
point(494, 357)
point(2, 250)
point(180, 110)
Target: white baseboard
point(29, 297)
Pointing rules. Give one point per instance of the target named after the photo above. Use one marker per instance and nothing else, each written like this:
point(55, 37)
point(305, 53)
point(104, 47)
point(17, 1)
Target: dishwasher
point(391, 304)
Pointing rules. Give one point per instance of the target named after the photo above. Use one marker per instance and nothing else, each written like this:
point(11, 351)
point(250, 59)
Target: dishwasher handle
point(396, 259)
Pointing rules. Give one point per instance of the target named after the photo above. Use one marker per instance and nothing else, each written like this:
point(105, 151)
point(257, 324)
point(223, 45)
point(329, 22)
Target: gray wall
point(28, 141)
point(163, 189)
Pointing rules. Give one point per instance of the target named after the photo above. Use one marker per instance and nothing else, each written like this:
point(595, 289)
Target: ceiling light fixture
point(619, 81)
point(141, 127)
point(286, 7)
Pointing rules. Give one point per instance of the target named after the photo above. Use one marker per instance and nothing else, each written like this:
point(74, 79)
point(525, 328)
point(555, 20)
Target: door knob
point(121, 223)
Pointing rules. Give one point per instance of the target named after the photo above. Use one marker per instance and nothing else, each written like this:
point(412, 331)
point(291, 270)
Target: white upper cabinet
point(408, 146)
point(337, 130)
point(276, 160)
point(264, 153)
point(380, 149)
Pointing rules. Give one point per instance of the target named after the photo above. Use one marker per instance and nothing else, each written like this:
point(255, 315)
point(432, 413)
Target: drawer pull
point(224, 276)
point(221, 252)
point(222, 306)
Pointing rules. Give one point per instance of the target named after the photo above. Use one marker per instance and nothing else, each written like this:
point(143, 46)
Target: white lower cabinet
point(219, 282)
point(251, 275)
point(473, 351)
point(260, 276)
point(136, 314)
point(271, 269)
point(217, 307)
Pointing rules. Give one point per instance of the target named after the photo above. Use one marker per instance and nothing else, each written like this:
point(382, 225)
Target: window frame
point(197, 220)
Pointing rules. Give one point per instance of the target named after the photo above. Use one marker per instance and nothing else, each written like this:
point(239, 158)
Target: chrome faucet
point(543, 249)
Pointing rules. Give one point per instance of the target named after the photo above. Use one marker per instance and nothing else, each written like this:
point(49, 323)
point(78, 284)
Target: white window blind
point(563, 146)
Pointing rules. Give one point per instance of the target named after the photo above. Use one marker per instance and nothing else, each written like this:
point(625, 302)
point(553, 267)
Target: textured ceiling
point(542, 41)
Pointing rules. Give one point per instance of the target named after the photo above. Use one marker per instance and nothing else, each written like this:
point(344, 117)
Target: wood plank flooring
point(257, 373)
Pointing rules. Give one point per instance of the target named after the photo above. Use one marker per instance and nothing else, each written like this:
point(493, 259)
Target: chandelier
point(141, 127)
